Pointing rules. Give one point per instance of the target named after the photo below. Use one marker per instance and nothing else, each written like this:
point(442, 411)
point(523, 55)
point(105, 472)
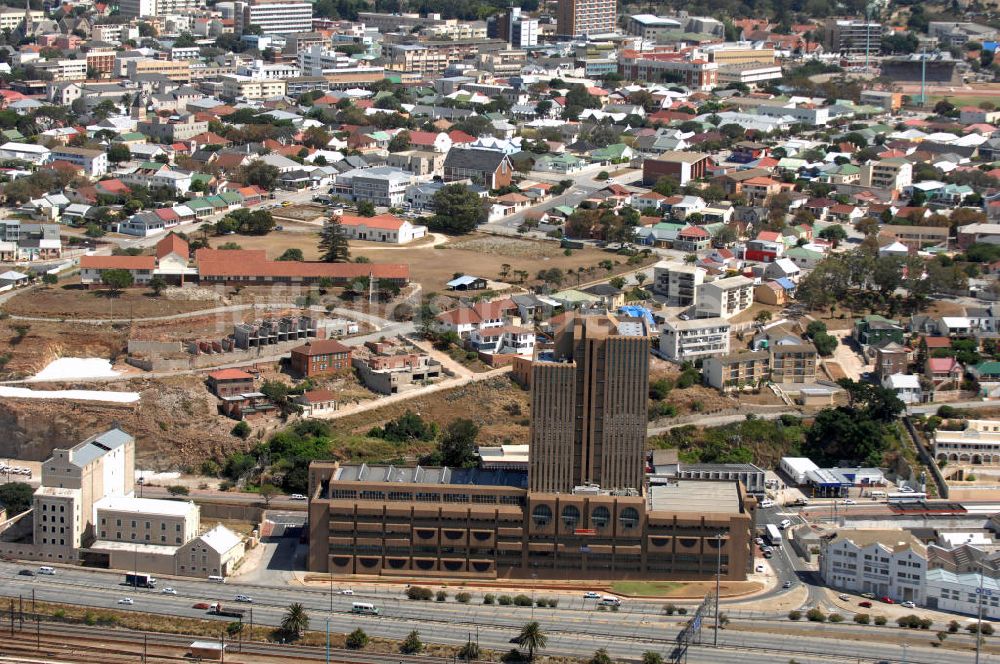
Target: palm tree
point(532, 637)
point(296, 620)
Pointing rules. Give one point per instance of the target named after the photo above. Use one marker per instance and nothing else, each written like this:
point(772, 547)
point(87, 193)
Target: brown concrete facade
point(469, 531)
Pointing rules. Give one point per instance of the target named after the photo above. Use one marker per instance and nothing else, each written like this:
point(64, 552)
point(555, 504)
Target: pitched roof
point(321, 347)
point(172, 244)
point(230, 374)
point(384, 221)
point(253, 262)
point(118, 262)
point(475, 159)
point(314, 396)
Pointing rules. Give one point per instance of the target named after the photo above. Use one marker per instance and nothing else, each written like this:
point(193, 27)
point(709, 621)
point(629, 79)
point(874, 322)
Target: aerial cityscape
point(570, 332)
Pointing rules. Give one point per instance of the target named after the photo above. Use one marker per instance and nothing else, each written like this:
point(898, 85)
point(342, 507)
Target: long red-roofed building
point(250, 266)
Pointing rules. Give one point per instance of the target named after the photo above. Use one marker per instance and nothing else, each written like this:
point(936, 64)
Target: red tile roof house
point(944, 372)
point(230, 382)
point(315, 402)
point(251, 267)
point(320, 357)
point(464, 319)
point(92, 268)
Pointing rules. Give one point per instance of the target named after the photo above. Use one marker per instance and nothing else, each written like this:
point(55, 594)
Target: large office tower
point(278, 18)
point(514, 27)
point(588, 417)
point(852, 38)
point(582, 18)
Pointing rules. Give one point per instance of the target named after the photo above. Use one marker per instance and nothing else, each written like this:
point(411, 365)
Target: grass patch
point(647, 588)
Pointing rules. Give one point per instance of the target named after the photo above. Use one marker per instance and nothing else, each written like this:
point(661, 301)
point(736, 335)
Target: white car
point(908, 605)
point(346, 591)
point(758, 541)
point(244, 598)
point(168, 591)
point(906, 489)
point(591, 595)
point(297, 496)
point(126, 600)
point(845, 597)
point(760, 569)
point(850, 501)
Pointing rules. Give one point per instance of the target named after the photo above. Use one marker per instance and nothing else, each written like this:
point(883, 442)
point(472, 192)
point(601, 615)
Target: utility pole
point(328, 640)
point(979, 623)
point(718, 582)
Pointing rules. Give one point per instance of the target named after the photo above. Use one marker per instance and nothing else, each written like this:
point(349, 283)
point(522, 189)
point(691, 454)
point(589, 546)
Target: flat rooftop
point(695, 496)
point(145, 505)
point(432, 475)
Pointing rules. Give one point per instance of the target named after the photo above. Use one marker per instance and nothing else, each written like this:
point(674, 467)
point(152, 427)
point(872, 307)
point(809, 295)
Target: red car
point(888, 600)
point(865, 604)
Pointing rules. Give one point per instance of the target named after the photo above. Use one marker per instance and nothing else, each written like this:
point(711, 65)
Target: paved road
point(572, 630)
point(718, 420)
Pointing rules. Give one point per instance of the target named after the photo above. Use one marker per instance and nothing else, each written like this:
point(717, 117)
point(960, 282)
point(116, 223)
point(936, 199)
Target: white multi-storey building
point(959, 592)
point(579, 18)
point(691, 340)
point(889, 563)
point(978, 443)
point(319, 61)
point(262, 71)
point(281, 18)
point(723, 298)
point(678, 282)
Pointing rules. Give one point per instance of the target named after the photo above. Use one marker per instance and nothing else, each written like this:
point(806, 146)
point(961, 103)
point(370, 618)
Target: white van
point(217, 579)
point(610, 601)
point(767, 502)
point(784, 524)
point(365, 607)
point(46, 570)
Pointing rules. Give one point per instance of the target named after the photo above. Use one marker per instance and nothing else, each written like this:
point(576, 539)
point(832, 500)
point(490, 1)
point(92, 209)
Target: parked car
point(866, 604)
point(850, 501)
point(888, 600)
point(168, 591)
point(906, 489)
point(346, 591)
point(127, 601)
point(759, 541)
point(868, 595)
point(760, 569)
point(768, 554)
point(786, 584)
point(908, 605)
point(297, 496)
point(844, 596)
point(590, 594)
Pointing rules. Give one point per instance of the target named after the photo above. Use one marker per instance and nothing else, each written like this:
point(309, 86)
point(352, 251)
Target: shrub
point(862, 618)
point(602, 607)
point(553, 602)
point(651, 657)
point(542, 602)
point(59, 614)
point(522, 600)
point(357, 639)
point(419, 593)
point(926, 623)
point(682, 611)
point(89, 619)
point(941, 636)
point(226, 485)
point(880, 620)
point(505, 600)
point(795, 615)
point(836, 618)
point(489, 598)
point(669, 609)
point(988, 629)
point(816, 614)
point(241, 430)
point(463, 598)
point(411, 645)
point(178, 490)
point(953, 626)
point(441, 596)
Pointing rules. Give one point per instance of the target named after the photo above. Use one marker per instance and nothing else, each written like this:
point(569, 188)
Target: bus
point(364, 607)
point(772, 534)
point(906, 498)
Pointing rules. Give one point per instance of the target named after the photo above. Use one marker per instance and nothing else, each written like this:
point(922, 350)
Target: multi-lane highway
point(574, 628)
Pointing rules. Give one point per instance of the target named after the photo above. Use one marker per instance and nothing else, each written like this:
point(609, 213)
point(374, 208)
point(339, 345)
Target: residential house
point(381, 228)
point(317, 402)
point(503, 340)
point(679, 166)
point(230, 382)
point(874, 329)
point(490, 168)
point(890, 358)
point(906, 387)
point(944, 373)
point(320, 357)
point(92, 268)
point(465, 318)
point(93, 162)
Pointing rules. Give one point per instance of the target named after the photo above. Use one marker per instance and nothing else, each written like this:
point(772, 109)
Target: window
point(541, 515)
point(600, 517)
point(570, 516)
point(629, 518)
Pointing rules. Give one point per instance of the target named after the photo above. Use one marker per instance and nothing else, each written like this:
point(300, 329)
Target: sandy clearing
point(72, 395)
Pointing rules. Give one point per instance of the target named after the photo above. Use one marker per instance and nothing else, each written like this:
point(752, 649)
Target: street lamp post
point(979, 623)
point(718, 583)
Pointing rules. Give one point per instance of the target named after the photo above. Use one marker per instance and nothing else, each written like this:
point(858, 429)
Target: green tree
point(834, 233)
point(333, 245)
point(16, 497)
point(267, 493)
point(651, 657)
point(601, 656)
point(50, 279)
point(241, 430)
point(457, 209)
point(400, 142)
point(158, 284)
point(533, 638)
point(366, 208)
point(259, 173)
point(357, 639)
point(412, 644)
point(458, 445)
point(117, 280)
point(295, 621)
point(119, 153)
point(470, 651)
point(292, 254)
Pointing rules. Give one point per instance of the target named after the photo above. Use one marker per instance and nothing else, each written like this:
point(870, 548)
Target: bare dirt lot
point(71, 300)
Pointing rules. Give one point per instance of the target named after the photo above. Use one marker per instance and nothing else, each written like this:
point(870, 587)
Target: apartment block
point(235, 86)
point(678, 282)
point(732, 372)
point(978, 443)
point(888, 563)
point(852, 37)
point(178, 71)
point(146, 520)
point(723, 298)
point(582, 18)
point(894, 174)
point(279, 18)
point(793, 359)
point(167, 131)
point(692, 340)
point(93, 162)
point(381, 185)
point(62, 70)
